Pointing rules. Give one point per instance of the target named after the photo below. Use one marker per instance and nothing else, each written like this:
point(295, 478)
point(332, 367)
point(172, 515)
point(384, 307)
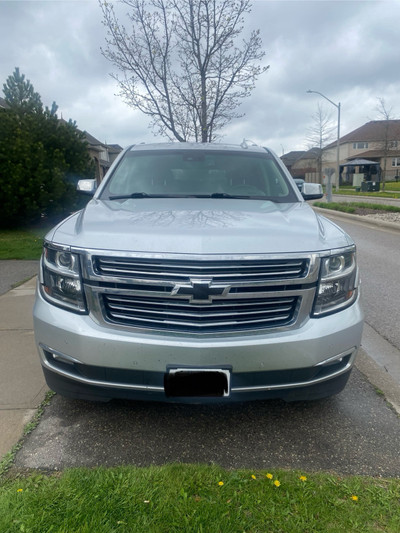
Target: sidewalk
point(22, 385)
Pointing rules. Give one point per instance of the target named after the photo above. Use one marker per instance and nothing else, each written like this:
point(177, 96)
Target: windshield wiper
point(131, 195)
point(183, 195)
point(136, 195)
point(220, 195)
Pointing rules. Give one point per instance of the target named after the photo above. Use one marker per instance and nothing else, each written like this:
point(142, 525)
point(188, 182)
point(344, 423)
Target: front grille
point(183, 270)
point(191, 295)
point(220, 316)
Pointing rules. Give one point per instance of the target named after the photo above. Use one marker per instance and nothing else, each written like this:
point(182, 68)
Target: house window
point(104, 155)
point(359, 146)
point(396, 162)
point(393, 144)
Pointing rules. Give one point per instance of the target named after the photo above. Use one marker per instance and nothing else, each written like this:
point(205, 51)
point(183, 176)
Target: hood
point(199, 226)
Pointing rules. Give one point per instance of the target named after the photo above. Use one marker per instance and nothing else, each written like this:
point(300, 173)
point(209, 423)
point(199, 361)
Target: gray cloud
point(346, 50)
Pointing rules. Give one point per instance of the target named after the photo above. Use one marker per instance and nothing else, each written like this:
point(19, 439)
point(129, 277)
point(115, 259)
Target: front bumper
point(83, 359)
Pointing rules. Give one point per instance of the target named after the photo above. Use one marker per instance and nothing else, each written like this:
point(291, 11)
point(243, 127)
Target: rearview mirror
point(87, 186)
point(312, 191)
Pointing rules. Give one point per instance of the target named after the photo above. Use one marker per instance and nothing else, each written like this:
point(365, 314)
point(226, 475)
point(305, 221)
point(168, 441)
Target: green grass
point(392, 190)
point(350, 207)
point(351, 191)
point(22, 243)
point(392, 185)
point(190, 498)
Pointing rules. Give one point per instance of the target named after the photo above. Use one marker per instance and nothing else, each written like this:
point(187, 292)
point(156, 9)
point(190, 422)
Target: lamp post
point(338, 136)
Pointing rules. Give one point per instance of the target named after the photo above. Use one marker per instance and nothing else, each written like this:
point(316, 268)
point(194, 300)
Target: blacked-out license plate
point(181, 382)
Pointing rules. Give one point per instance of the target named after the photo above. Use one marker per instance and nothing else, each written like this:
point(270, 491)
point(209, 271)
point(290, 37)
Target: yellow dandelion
point(220, 483)
point(269, 476)
point(303, 478)
point(20, 490)
point(253, 476)
point(354, 498)
point(277, 483)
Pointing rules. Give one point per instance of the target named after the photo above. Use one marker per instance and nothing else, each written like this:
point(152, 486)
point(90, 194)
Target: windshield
point(198, 174)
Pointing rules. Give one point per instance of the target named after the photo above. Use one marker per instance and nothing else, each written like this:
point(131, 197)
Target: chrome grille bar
point(253, 270)
point(187, 317)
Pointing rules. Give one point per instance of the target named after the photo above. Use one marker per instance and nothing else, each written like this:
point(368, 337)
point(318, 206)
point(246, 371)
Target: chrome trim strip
point(311, 275)
point(301, 315)
point(144, 388)
point(94, 382)
point(114, 301)
point(212, 324)
point(292, 385)
point(207, 257)
point(229, 296)
point(261, 388)
point(337, 357)
point(202, 257)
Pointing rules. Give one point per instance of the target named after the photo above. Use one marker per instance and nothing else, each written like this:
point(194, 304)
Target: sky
point(347, 50)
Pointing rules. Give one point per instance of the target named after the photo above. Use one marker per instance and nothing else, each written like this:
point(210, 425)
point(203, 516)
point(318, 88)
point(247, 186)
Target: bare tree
point(182, 64)
point(385, 114)
point(320, 134)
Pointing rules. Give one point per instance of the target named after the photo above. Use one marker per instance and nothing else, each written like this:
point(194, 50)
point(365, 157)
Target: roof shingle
point(375, 130)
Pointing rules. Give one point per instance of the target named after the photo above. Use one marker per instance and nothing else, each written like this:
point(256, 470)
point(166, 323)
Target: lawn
point(354, 207)
point(22, 243)
point(193, 498)
point(392, 190)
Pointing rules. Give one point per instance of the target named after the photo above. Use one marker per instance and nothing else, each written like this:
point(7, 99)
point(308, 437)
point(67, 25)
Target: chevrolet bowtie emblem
point(200, 290)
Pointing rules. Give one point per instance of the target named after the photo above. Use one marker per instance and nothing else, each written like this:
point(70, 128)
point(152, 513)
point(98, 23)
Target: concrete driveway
point(355, 432)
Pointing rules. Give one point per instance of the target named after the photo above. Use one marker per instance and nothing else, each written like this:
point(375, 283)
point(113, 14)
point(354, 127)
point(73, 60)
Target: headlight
point(337, 287)
point(61, 279)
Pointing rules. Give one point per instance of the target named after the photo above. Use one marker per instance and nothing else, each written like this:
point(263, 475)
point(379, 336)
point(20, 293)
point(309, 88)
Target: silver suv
point(198, 273)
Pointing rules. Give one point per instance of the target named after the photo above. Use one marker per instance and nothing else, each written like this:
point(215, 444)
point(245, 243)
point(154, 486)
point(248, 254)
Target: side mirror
point(312, 191)
point(299, 183)
point(87, 186)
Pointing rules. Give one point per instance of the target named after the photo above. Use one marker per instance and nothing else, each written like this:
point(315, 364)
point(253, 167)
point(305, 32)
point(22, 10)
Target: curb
point(379, 378)
point(364, 220)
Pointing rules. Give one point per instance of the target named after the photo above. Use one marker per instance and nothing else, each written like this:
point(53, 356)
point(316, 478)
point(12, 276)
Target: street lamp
point(338, 136)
